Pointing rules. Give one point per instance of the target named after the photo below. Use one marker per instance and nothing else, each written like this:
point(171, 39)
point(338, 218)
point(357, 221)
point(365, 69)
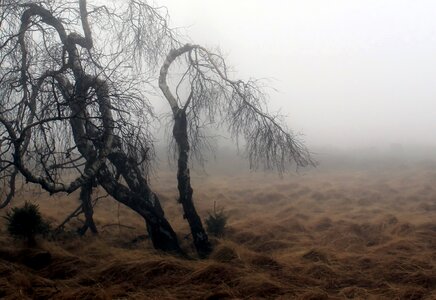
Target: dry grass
point(321, 235)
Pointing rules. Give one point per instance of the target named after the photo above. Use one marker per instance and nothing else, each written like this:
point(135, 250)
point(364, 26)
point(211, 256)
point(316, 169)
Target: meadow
point(327, 233)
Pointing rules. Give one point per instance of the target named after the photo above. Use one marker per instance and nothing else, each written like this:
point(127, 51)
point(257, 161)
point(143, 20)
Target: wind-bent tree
point(68, 102)
point(74, 113)
point(215, 98)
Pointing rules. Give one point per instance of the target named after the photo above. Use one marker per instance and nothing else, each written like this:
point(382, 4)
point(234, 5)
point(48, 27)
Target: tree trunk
point(159, 229)
point(85, 198)
point(199, 235)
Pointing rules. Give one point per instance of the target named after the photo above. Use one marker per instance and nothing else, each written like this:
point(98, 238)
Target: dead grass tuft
point(225, 253)
point(316, 256)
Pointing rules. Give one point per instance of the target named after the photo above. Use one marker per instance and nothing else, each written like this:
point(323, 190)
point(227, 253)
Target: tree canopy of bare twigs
point(240, 106)
point(74, 82)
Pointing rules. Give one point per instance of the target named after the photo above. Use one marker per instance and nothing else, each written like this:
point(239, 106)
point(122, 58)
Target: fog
point(348, 74)
point(88, 212)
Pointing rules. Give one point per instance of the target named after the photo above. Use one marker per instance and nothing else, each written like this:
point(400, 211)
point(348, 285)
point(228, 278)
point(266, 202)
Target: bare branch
point(239, 104)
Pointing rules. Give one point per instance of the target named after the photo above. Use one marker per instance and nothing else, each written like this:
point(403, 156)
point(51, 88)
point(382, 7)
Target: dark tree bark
point(159, 229)
point(88, 210)
point(199, 235)
point(138, 196)
point(180, 134)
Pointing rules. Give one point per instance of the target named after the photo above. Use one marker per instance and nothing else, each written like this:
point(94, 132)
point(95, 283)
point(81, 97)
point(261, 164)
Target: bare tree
point(240, 105)
point(67, 104)
point(74, 113)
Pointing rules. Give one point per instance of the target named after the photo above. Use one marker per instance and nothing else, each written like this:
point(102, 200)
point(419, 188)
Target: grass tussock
point(329, 235)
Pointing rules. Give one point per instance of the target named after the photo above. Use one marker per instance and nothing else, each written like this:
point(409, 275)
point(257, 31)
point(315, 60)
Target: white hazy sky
point(348, 72)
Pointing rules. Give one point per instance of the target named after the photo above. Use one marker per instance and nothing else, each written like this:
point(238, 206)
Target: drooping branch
point(239, 104)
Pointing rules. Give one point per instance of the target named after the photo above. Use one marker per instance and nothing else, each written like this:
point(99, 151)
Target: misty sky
point(354, 73)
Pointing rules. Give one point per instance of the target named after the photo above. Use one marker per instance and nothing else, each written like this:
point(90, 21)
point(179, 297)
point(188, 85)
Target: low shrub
point(216, 222)
point(26, 223)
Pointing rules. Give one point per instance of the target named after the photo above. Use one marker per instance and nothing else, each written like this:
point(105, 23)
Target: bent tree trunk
point(140, 199)
point(159, 229)
point(180, 134)
point(199, 235)
point(137, 196)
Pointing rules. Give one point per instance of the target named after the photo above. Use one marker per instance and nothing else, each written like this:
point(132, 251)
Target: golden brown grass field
point(343, 233)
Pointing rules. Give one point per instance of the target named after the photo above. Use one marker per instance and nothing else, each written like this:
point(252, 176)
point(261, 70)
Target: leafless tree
point(74, 113)
point(214, 98)
point(70, 103)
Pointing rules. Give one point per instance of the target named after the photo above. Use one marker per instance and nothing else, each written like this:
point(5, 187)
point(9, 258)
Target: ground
point(328, 233)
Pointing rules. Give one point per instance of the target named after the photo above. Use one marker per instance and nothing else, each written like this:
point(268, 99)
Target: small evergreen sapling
point(216, 222)
point(26, 223)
